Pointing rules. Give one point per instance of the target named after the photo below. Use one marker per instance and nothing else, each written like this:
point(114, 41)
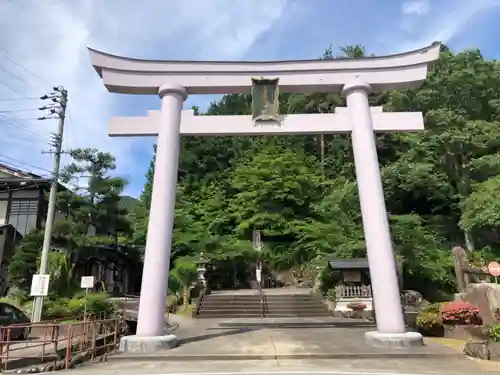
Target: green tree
point(90, 221)
point(460, 101)
point(301, 191)
point(184, 272)
point(23, 264)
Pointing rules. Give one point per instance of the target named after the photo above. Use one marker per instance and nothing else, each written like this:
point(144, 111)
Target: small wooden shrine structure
point(353, 282)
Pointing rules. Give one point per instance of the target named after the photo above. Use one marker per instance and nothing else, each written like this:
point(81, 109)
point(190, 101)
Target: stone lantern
point(201, 268)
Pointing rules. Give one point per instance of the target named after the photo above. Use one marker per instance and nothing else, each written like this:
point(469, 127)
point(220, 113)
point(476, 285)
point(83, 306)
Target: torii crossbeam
point(321, 123)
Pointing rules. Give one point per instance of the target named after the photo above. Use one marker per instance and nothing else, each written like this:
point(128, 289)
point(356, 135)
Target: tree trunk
point(185, 295)
point(469, 242)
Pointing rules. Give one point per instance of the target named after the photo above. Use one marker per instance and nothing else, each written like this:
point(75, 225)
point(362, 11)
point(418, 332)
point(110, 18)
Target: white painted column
point(381, 260)
point(154, 286)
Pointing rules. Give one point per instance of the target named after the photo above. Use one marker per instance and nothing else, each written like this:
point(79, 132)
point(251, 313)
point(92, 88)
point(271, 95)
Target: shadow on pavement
point(208, 336)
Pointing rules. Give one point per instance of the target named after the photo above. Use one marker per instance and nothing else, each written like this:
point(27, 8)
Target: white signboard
point(40, 285)
point(87, 282)
point(258, 274)
point(352, 276)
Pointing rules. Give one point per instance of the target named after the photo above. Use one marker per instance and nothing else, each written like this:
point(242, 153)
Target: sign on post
point(494, 269)
point(40, 285)
point(258, 275)
point(87, 282)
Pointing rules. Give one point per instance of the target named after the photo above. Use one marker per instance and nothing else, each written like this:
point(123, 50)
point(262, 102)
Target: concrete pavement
point(387, 366)
point(292, 338)
point(313, 346)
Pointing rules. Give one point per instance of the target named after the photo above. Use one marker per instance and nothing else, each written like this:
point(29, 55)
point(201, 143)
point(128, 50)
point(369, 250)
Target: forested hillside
point(441, 185)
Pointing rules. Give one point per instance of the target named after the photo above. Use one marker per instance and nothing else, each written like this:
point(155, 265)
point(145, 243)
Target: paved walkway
point(284, 338)
point(288, 367)
point(320, 345)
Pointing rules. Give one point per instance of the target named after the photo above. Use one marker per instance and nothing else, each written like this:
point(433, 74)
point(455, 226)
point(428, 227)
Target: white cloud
point(415, 7)
point(50, 37)
point(443, 24)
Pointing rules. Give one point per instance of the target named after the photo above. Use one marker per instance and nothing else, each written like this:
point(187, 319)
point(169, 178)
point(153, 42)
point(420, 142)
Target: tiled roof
point(338, 264)
point(14, 172)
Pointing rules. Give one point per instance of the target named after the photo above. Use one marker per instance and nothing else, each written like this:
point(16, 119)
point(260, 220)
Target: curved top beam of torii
point(136, 76)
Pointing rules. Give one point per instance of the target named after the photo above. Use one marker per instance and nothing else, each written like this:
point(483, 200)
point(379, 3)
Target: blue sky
point(47, 46)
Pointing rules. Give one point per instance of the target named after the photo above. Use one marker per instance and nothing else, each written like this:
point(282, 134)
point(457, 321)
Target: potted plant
point(357, 309)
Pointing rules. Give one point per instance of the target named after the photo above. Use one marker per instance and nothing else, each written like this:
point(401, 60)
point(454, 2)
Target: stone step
point(228, 310)
point(270, 303)
point(267, 308)
point(275, 306)
point(267, 315)
point(225, 316)
point(257, 296)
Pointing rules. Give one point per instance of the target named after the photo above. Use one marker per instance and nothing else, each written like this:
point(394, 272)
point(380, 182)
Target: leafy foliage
point(91, 225)
point(495, 332)
point(301, 191)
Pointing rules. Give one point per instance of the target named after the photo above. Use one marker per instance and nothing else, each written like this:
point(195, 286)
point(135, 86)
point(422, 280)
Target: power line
point(22, 126)
point(18, 99)
point(4, 54)
point(21, 164)
point(10, 88)
point(20, 110)
point(19, 79)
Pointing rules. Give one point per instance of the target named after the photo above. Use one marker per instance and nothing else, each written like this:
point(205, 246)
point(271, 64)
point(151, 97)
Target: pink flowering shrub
point(357, 306)
point(460, 313)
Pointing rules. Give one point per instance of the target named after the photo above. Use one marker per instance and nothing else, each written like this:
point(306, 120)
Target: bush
point(433, 308)
point(97, 303)
point(331, 295)
point(55, 309)
point(460, 312)
point(429, 321)
point(494, 332)
point(76, 306)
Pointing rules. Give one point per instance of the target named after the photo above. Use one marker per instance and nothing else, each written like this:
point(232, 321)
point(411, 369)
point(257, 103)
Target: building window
point(23, 215)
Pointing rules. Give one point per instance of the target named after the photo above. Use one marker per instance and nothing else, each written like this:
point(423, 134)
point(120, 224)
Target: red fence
point(57, 345)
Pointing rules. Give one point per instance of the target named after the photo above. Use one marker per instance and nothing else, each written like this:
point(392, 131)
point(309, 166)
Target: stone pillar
point(154, 286)
point(384, 278)
point(459, 261)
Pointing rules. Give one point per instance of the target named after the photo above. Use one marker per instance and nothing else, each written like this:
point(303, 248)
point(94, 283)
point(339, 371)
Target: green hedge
point(429, 320)
point(63, 308)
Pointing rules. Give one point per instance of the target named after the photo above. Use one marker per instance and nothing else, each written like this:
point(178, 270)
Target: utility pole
point(57, 110)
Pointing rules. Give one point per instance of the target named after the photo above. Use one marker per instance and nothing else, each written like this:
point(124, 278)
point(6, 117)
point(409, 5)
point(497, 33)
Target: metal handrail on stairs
point(199, 301)
point(262, 301)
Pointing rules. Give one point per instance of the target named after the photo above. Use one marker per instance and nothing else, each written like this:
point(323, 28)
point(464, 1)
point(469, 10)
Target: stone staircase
point(248, 305)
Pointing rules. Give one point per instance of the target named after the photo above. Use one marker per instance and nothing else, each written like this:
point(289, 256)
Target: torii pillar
point(356, 78)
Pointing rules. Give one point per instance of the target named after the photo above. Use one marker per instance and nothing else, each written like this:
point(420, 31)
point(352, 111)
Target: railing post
point(68, 347)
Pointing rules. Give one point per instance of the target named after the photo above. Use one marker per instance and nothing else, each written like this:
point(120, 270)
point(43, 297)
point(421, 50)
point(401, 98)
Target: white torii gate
point(355, 78)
